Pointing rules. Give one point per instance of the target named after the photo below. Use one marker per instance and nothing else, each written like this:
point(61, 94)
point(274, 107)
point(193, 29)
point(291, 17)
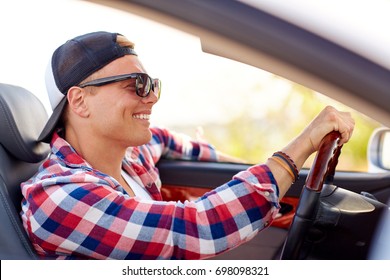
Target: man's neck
point(102, 155)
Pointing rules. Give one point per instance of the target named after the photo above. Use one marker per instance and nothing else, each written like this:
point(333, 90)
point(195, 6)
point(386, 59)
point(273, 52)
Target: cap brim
point(51, 124)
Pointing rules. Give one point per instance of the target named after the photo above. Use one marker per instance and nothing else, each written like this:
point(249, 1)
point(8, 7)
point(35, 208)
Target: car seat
point(22, 117)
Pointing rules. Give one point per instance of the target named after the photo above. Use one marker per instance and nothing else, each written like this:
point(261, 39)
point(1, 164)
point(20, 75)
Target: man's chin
point(142, 140)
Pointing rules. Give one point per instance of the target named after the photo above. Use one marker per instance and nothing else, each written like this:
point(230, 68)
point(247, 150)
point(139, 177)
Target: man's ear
point(77, 102)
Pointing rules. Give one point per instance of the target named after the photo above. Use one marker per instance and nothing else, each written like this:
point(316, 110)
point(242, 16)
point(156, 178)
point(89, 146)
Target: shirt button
point(266, 193)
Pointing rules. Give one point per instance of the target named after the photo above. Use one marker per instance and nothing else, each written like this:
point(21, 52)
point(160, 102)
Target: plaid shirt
point(72, 211)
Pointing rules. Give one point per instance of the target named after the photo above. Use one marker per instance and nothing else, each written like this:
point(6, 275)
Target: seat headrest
point(22, 117)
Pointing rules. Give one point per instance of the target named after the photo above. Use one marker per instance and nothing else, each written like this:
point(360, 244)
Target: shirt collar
point(63, 150)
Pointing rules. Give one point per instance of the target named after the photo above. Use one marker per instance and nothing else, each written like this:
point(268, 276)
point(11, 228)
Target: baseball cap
point(71, 63)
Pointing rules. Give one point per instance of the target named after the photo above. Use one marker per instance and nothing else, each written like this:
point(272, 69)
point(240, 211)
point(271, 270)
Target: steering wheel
point(322, 171)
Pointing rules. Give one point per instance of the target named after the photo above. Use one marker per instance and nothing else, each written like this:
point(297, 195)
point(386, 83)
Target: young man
point(98, 194)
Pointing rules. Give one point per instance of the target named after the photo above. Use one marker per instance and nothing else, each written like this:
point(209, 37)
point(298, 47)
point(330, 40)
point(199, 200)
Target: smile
point(142, 116)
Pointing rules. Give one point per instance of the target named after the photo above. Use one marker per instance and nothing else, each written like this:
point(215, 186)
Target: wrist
point(285, 161)
point(299, 150)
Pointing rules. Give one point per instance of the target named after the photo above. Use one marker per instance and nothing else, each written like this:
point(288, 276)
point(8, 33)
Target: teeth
point(142, 116)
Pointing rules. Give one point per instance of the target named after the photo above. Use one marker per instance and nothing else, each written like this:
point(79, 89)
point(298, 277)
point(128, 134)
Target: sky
point(31, 30)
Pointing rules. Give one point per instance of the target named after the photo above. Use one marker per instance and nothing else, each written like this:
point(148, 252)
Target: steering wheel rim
point(322, 170)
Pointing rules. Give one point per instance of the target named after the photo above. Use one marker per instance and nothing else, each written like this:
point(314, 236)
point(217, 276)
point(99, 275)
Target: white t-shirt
point(138, 190)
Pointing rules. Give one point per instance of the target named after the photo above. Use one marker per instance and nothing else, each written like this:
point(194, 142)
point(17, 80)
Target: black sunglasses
point(143, 83)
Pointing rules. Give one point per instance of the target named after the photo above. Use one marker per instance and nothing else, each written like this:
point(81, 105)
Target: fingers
point(345, 125)
point(200, 134)
point(330, 120)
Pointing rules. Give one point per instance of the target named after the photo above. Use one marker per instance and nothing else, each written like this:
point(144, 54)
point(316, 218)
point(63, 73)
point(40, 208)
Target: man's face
point(117, 113)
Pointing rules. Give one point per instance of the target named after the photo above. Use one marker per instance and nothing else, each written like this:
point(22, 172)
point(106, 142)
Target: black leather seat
point(22, 116)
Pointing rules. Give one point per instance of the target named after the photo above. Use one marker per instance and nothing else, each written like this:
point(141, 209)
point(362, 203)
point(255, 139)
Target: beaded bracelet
point(291, 164)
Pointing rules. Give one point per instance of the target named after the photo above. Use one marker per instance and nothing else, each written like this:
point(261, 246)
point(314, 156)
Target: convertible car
point(328, 213)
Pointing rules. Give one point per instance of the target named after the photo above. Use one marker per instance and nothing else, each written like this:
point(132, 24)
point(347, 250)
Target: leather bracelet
point(284, 165)
point(287, 159)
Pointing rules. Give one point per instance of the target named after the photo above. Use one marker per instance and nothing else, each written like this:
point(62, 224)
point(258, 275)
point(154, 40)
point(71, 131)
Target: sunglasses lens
point(143, 85)
point(156, 87)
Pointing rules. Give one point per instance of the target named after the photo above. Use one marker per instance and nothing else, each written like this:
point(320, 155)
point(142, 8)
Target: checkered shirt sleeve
point(71, 211)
